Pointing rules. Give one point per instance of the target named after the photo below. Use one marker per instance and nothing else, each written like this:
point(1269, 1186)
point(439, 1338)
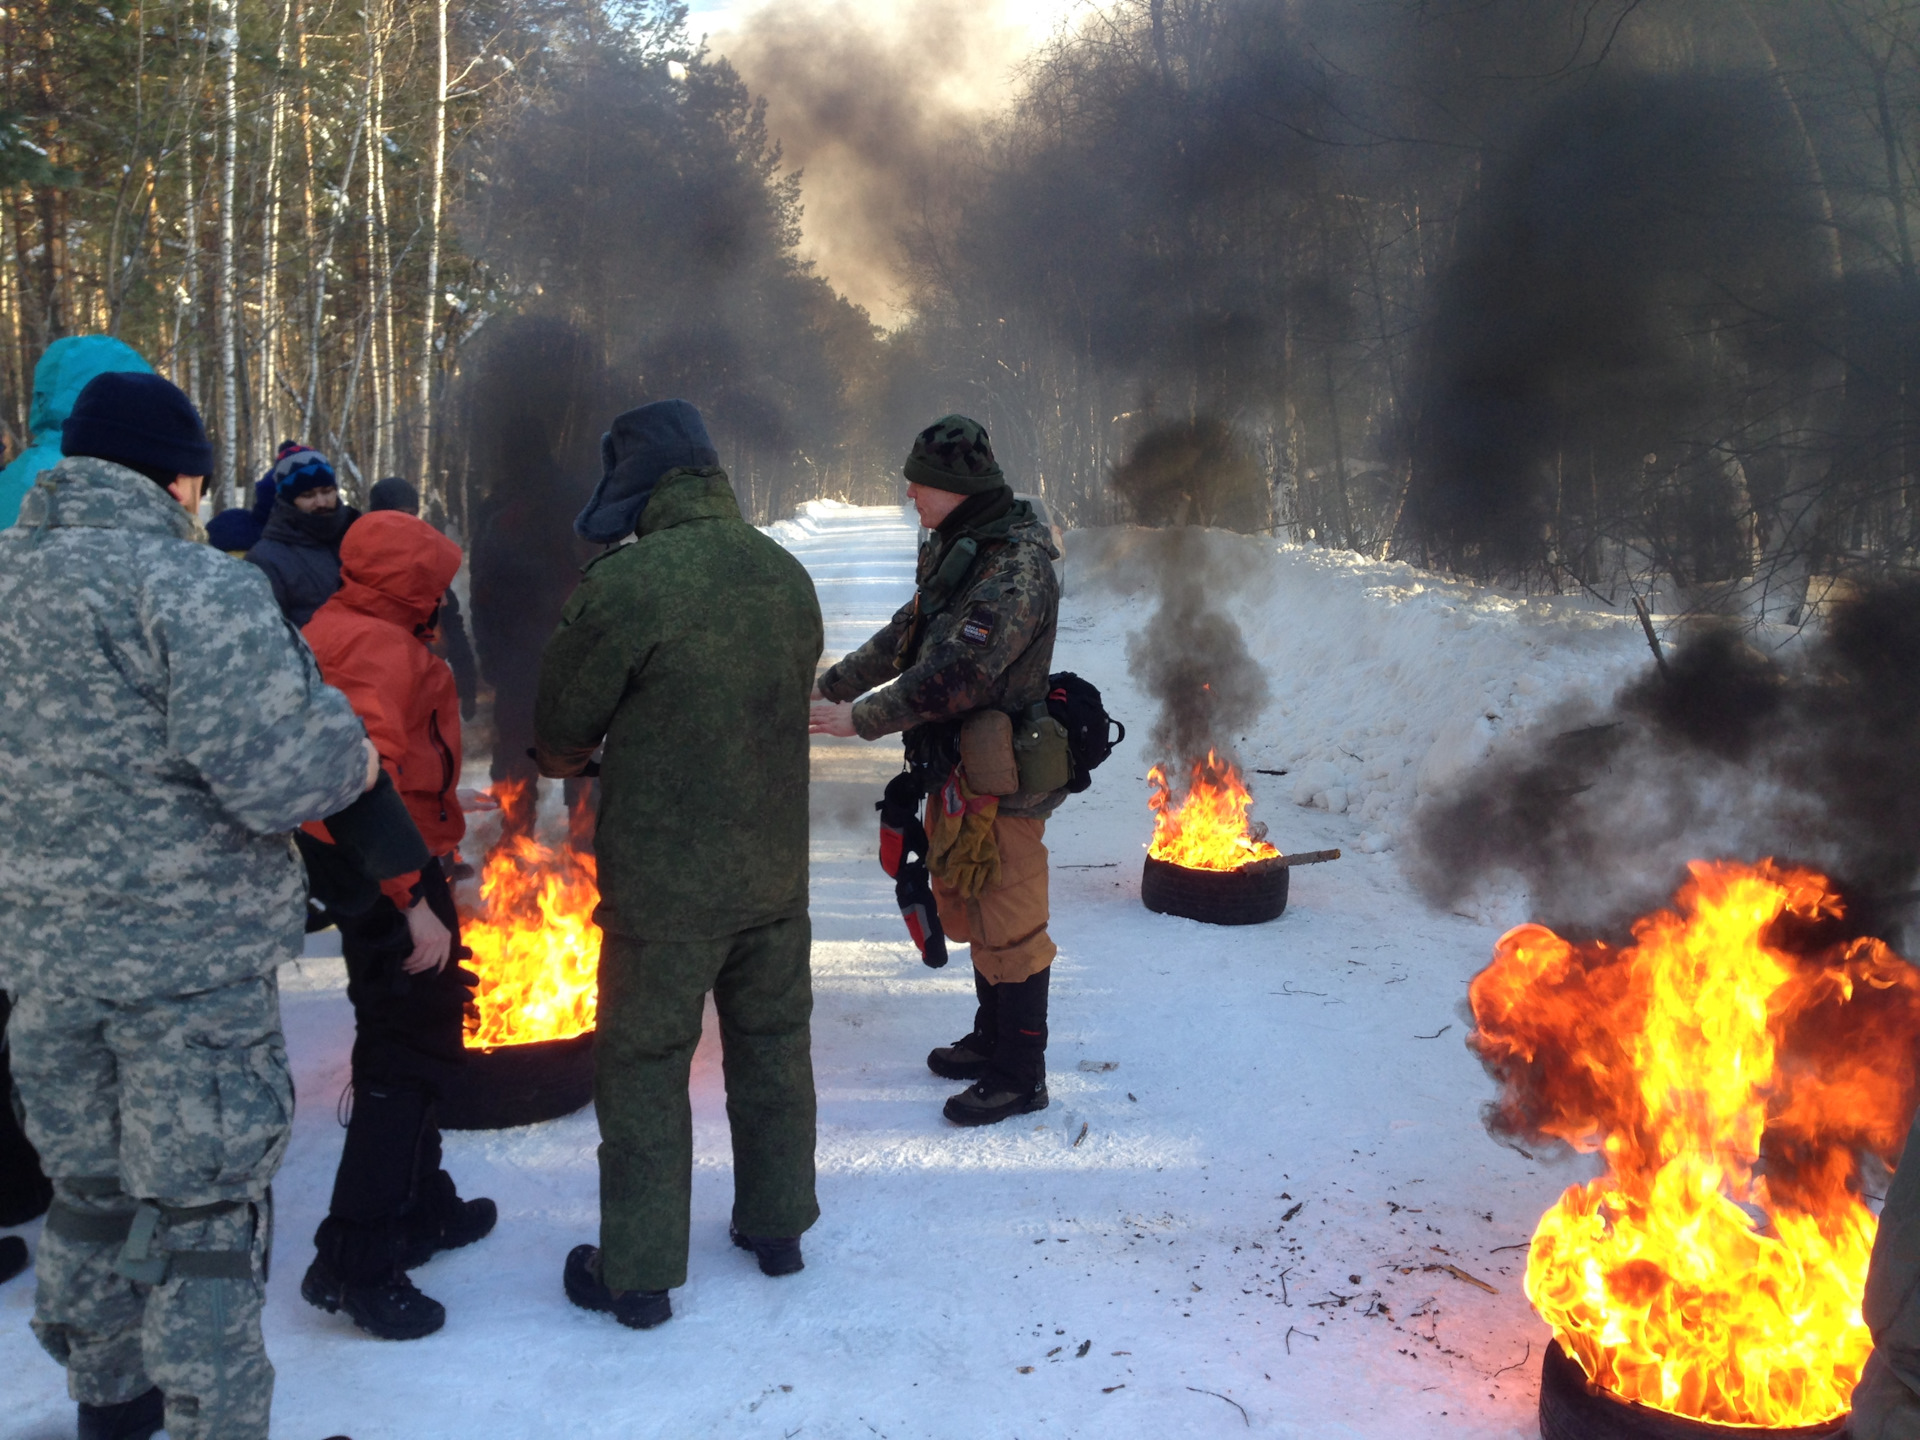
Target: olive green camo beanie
point(954, 454)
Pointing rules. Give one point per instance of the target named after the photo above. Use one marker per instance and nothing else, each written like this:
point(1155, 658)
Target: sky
point(849, 97)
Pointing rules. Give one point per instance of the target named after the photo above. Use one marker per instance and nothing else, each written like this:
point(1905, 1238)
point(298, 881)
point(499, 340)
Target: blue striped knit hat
point(298, 471)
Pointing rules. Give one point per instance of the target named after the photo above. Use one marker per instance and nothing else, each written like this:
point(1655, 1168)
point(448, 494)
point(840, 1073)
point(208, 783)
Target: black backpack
point(1076, 704)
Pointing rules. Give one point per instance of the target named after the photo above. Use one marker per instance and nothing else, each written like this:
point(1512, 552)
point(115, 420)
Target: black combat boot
point(968, 1057)
point(13, 1257)
point(134, 1419)
point(357, 1270)
point(1015, 1081)
point(776, 1256)
point(635, 1309)
point(985, 1102)
point(440, 1220)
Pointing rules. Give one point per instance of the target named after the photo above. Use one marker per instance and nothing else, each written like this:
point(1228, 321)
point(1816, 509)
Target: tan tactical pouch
point(986, 753)
point(1040, 752)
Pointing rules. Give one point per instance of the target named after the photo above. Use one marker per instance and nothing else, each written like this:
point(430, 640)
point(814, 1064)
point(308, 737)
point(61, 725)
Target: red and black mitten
point(903, 855)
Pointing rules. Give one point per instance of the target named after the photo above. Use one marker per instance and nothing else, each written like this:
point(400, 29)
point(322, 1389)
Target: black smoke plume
point(1191, 658)
point(1565, 384)
point(1729, 753)
point(535, 400)
point(1195, 472)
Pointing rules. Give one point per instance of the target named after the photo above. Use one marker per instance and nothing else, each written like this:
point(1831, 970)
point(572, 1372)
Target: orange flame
point(1730, 1065)
point(1208, 830)
point(535, 946)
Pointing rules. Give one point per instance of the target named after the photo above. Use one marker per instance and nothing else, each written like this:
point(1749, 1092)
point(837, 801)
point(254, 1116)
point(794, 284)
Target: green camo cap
point(954, 454)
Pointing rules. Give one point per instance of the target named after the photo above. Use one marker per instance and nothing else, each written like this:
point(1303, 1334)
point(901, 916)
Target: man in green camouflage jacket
point(977, 635)
point(162, 730)
point(688, 650)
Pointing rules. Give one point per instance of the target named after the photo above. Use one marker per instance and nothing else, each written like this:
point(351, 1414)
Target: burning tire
point(512, 1085)
point(1251, 895)
point(1572, 1408)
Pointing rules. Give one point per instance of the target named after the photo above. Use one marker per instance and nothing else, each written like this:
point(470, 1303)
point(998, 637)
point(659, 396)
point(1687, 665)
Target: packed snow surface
point(1259, 1193)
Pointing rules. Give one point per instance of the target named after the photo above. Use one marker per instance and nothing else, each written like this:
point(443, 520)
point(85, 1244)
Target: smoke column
point(870, 101)
point(1192, 659)
point(1731, 753)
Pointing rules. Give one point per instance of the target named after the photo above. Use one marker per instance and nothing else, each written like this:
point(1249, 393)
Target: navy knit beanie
point(298, 471)
point(145, 422)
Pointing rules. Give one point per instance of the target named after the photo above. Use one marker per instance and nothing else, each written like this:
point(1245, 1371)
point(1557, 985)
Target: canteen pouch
point(1040, 752)
point(986, 753)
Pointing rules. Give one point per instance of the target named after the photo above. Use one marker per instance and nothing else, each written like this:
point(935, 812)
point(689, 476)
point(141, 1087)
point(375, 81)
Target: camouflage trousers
point(652, 998)
point(160, 1122)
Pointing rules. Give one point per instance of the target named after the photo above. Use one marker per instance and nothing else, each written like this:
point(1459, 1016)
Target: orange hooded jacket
point(371, 641)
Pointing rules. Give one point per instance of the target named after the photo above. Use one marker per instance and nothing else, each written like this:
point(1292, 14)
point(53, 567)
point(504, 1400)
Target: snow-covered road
point(1250, 1207)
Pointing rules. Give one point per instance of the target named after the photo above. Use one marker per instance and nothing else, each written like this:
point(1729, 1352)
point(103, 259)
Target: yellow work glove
point(961, 851)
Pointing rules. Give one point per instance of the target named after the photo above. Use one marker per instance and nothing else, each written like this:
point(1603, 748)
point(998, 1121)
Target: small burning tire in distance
point(1572, 1408)
point(512, 1085)
point(1251, 895)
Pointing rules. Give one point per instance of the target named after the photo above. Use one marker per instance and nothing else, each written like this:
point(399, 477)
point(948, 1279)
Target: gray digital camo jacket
point(162, 730)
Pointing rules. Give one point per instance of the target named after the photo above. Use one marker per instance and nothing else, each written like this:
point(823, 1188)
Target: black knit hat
point(142, 421)
point(394, 493)
point(954, 454)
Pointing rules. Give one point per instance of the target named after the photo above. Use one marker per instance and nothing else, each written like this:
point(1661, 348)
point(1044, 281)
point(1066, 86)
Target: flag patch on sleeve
point(977, 628)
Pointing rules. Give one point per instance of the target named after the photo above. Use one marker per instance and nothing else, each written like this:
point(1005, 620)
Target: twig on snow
point(1524, 1244)
point(1515, 1365)
point(1436, 1034)
point(1218, 1396)
point(1287, 1339)
point(1459, 1274)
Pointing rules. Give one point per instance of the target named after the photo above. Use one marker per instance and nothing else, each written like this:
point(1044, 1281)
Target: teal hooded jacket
point(63, 372)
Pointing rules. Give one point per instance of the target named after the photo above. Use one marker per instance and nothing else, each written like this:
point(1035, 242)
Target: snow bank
point(1389, 683)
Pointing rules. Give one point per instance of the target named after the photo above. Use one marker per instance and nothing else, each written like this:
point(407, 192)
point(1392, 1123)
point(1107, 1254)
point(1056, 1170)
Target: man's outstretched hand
point(432, 941)
point(826, 718)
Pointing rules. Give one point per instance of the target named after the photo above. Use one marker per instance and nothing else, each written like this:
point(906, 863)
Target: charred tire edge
point(1573, 1409)
point(513, 1085)
point(1251, 895)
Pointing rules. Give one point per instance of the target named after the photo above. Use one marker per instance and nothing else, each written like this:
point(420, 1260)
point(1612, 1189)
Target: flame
point(1208, 830)
point(1730, 1065)
point(535, 946)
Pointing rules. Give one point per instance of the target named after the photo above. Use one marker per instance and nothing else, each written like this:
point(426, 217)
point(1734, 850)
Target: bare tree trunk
point(226, 292)
point(429, 475)
point(268, 426)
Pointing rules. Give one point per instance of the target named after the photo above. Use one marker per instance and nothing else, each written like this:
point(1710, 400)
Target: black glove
point(903, 855)
point(377, 833)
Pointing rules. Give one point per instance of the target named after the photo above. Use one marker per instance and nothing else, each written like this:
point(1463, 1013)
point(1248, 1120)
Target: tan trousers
point(1007, 925)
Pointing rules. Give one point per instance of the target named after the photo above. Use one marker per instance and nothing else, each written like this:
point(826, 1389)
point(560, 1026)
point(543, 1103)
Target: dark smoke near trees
point(1809, 760)
point(1191, 658)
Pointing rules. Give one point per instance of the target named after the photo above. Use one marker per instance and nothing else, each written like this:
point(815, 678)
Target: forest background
point(1603, 295)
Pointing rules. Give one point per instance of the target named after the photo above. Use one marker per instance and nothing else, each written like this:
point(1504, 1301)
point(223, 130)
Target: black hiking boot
point(962, 1060)
point(776, 1256)
point(441, 1220)
point(134, 1419)
point(987, 1102)
point(635, 1309)
point(13, 1257)
point(390, 1309)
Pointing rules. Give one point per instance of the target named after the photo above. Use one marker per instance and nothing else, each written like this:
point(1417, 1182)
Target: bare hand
point(432, 941)
point(477, 801)
point(826, 718)
point(815, 694)
point(373, 768)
